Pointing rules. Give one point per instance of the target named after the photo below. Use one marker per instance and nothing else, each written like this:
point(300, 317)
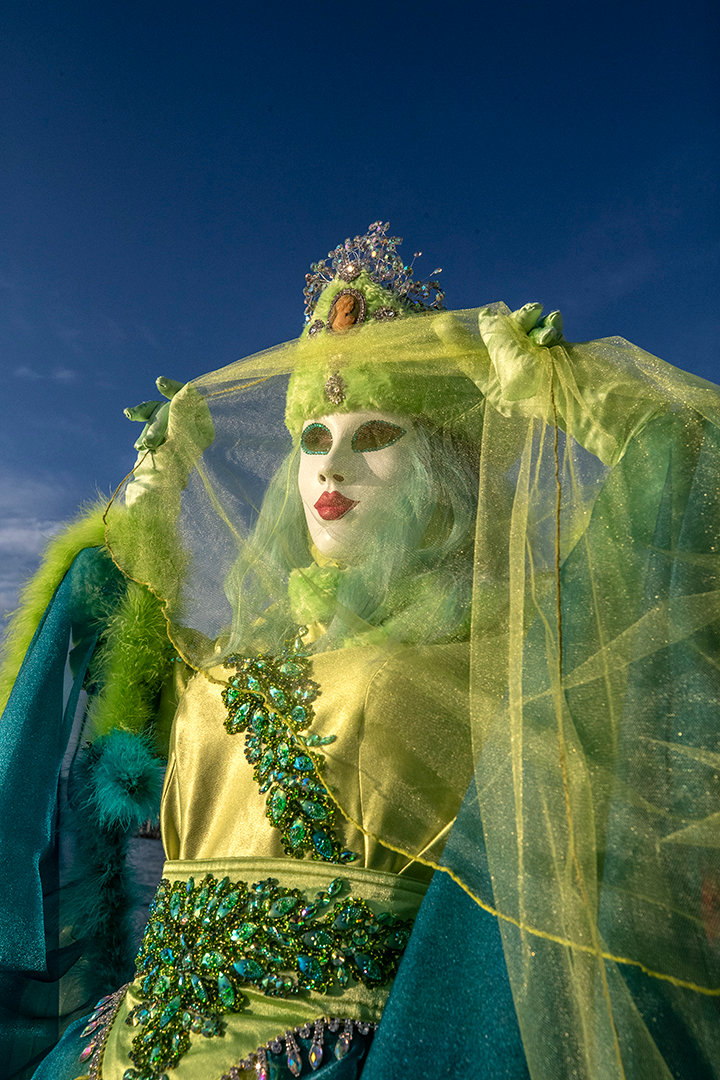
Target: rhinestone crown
point(377, 254)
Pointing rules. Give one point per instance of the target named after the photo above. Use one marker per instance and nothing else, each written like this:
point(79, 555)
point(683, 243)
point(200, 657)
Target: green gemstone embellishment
point(322, 844)
point(226, 991)
point(272, 937)
point(282, 906)
point(198, 988)
point(278, 804)
point(321, 939)
point(249, 969)
point(227, 904)
point(314, 810)
point(244, 932)
point(212, 961)
point(278, 697)
point(156, 1057)
point(245, 709)
point(200, 901)
point(290, 669)
point(270, 700)
point(259, 721)
point(171, 1011)
point(312, 971)
point(296, 833)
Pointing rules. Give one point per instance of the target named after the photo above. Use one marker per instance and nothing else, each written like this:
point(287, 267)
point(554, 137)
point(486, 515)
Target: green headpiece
point(366, 304)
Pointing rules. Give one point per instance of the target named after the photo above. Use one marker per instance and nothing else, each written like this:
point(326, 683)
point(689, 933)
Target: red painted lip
point(332, 505)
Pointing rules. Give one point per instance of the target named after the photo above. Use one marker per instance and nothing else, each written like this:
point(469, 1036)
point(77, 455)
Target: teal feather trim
point(127, 781)
point(116, 787)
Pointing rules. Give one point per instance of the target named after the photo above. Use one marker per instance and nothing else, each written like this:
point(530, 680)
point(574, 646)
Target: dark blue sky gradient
point(170, 170)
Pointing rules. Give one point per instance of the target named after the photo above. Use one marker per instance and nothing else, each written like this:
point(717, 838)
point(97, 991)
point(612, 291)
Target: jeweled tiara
point(376, 253)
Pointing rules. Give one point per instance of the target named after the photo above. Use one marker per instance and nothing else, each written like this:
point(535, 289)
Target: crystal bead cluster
point(270, 699)
point(334, 389)
point(205, 941)
point(377, 254)
point(290, 1052)
point(98, 1028)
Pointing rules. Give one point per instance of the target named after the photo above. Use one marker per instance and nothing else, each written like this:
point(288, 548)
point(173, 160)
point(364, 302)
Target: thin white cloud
point(61, 375)
point(41, 326)
point(21, 543)
point(21, 496)
point(31, 511)
point(23, 536)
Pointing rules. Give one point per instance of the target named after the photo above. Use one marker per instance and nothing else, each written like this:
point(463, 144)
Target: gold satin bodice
point(398, 768)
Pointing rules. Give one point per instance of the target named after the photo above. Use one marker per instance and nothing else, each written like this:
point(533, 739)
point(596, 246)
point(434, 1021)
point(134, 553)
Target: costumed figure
point(442, 605)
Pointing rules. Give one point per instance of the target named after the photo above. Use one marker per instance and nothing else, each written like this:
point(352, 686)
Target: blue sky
point(170, 170)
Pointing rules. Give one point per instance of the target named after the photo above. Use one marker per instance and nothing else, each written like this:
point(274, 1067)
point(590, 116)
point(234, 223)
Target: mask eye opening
point(316, 439)
point(376, 435)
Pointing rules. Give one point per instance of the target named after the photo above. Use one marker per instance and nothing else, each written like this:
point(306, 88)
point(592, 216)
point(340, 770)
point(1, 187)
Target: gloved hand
point(516, 344)
point(154, 414)
point(546, 331)
point(185, 411)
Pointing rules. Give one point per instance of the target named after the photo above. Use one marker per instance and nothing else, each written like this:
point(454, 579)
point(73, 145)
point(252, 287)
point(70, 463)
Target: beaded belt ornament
point(204, 942)
point(288, 1049)
point(98, 1027)
point(270, 699)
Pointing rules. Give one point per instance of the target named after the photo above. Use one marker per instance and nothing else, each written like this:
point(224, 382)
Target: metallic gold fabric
point(400, 721)
point(370, 699)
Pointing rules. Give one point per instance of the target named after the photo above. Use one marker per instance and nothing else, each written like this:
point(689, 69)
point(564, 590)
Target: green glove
point(154, 414)
point(516, 343)
point(547, 331)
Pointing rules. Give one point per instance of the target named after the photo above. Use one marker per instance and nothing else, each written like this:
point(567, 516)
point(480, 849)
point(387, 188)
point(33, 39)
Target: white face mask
point(354, 468)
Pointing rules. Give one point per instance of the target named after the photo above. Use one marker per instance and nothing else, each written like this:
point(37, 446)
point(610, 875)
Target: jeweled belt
point(204, 941)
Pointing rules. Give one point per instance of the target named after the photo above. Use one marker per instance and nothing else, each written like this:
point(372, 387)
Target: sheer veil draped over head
point(556, 526)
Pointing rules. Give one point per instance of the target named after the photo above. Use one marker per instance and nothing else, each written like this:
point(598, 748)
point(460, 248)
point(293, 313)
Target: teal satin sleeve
point(35, 730)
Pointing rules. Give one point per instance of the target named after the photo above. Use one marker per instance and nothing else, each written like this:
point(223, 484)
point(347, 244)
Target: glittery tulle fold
point(512, 685)
point(568, 566)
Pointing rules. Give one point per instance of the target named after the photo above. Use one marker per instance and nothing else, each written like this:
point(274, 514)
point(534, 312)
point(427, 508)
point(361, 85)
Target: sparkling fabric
point(209, 776)
point(586, 598)
point(524, 661)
